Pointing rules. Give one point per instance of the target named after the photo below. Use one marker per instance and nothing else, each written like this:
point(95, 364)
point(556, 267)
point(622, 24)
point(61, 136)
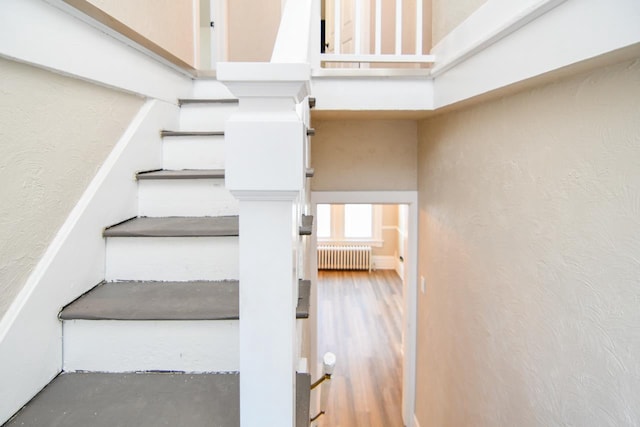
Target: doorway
point(382, 281)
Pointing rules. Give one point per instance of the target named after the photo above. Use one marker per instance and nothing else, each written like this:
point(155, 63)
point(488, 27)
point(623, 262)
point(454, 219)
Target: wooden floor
point(360, 317)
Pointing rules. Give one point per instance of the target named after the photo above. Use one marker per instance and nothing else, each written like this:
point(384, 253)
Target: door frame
point(410, 294)
point(219, 46)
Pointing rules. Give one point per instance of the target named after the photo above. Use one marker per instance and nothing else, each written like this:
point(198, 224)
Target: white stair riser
point(193, 152)
point(172, 258)
point(185, 197)
point(210, 89)
point(205, 117)
point(129, 346)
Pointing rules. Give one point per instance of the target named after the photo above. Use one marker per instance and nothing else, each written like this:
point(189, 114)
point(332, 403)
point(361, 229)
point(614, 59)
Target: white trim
point(398, 266)
point(30, 333)
point(314, 38)
point(40, 34)
point(493, 21)
point(292, 41)
point(197, 60)
point(410, 304)
point(389, 58)
point(526, 39)
point(219, 43)
point(383, 262)
point(358, 73)
point(266, 195)
point(346, 242)
point(373, 197)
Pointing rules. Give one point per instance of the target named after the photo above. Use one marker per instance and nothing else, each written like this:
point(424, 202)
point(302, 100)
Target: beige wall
point(55, 132)
point(449, 14)
point(168, 23)
point(530, 246)
point(253, 27)
point(389, 232)
point(350, 155)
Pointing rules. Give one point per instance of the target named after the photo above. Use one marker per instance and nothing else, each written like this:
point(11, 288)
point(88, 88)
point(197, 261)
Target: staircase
point(156, 343)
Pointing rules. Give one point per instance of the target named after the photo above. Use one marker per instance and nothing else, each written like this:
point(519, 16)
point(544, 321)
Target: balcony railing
point(361, 31)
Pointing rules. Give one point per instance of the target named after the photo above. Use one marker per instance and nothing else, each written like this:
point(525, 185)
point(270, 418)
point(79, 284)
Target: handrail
point(292, 42)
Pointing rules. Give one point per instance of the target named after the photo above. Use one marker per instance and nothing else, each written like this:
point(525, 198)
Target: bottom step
point(144, 400)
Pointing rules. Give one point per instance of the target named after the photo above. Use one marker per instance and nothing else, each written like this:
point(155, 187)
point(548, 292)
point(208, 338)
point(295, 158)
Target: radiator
point(334, 257)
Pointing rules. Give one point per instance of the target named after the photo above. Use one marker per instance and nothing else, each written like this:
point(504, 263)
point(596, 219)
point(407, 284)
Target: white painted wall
point(529, 235)
point(56, 133)
point(364, 155)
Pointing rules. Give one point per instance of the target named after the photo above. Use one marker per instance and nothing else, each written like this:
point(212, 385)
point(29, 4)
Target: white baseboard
point(383, 262)
point(399, 267)
point(74, 262)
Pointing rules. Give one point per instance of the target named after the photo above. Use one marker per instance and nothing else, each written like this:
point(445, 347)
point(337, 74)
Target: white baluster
point(378, 28)
point(337, 26)
point(398, 27)
point(419, 27)
point(358, 27)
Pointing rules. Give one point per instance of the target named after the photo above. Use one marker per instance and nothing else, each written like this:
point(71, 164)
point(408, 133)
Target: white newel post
point(265, 170)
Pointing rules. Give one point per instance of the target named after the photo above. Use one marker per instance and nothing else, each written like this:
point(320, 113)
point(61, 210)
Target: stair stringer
point(30, 332)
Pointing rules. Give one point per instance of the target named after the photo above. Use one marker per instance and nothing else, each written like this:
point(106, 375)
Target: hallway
point(360, 316)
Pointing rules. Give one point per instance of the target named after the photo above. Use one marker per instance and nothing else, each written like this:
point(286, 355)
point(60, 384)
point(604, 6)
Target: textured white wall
point(360, 155)
point(447, 15)
point(55, 132)
point(530, 246)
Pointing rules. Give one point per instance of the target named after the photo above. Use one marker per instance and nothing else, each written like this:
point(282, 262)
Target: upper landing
point(373, 89)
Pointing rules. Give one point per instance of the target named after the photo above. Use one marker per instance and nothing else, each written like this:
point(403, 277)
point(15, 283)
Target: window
point(358, 221)
point(353, 223)
point(324, 221)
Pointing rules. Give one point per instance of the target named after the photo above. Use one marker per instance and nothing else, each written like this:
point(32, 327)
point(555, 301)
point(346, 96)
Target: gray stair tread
point(200, 300)
point(184, 101)
point(197, 300)
point(182, 174)
point(307, 225)
point(175, 227)
point(304, 299)
point(303, 399)
point(143, 400)
point(165, 133)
